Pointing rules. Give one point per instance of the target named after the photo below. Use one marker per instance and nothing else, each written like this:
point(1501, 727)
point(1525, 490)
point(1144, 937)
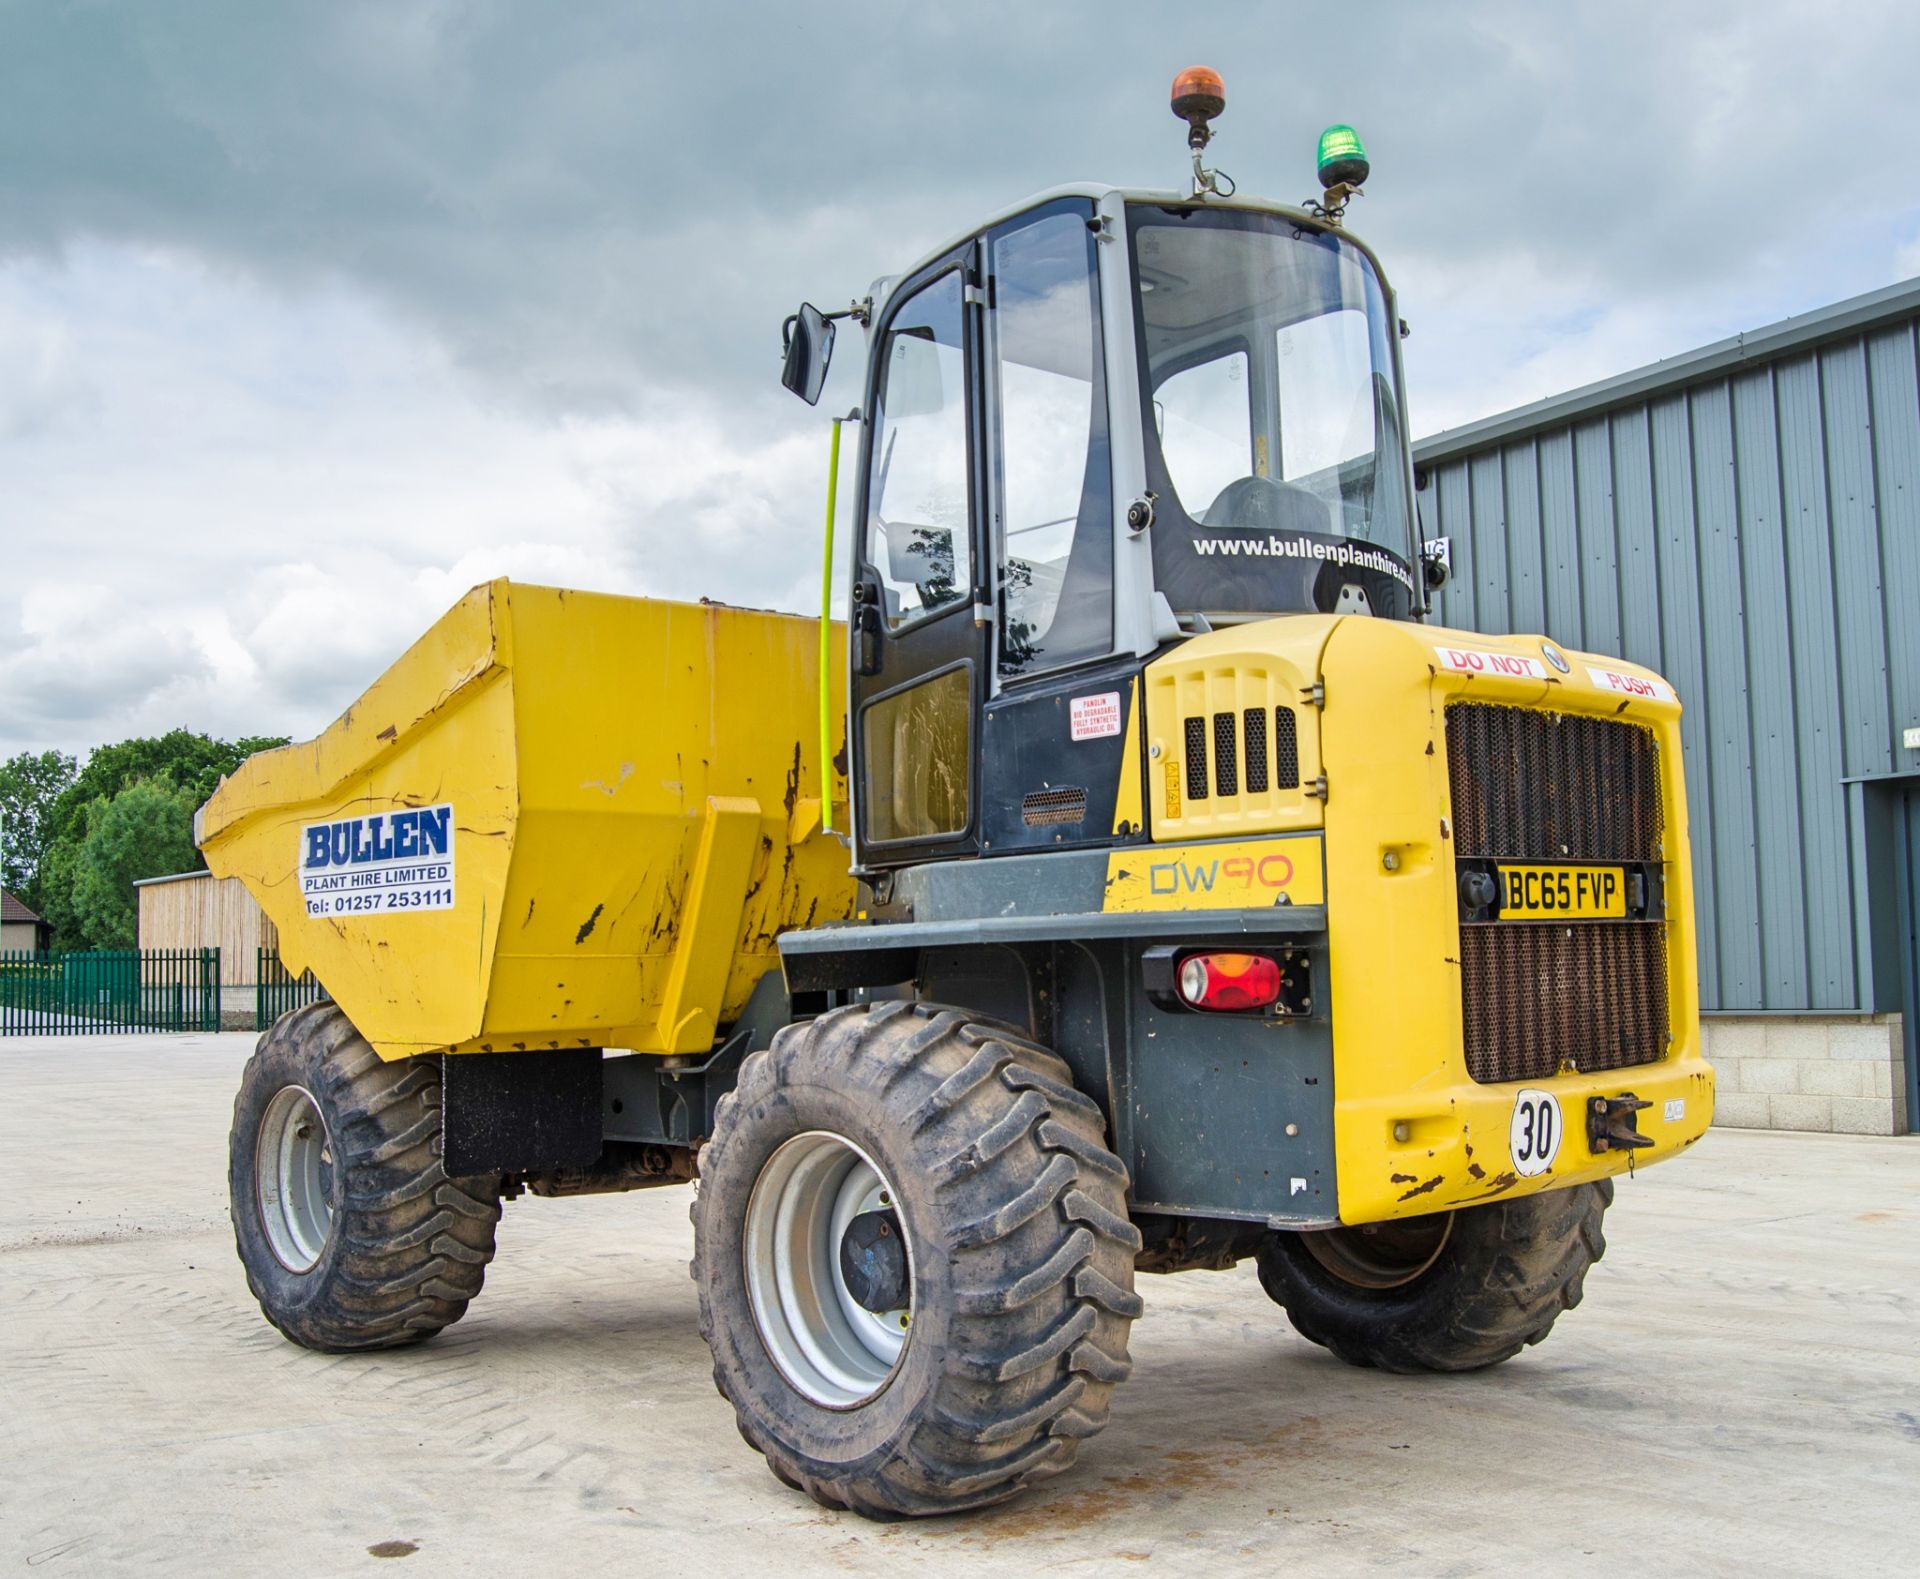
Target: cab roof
point(1098, 192)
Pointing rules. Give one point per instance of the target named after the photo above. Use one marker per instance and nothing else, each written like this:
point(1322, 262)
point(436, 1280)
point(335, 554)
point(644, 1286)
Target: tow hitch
point(1611, 1125)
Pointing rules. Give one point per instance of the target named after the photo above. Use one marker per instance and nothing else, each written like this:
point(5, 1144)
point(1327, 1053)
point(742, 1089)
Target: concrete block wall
point(1844, 1073)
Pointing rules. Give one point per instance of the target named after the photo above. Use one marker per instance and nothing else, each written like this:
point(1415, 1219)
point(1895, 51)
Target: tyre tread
point(1511, 1270)
point(412, 1244)
point(1042, 1248)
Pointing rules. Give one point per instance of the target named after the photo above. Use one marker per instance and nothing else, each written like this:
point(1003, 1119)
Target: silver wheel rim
point(826, 1344)
point(293, 1175)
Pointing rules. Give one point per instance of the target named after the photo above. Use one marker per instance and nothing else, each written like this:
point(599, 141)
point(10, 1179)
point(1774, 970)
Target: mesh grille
point(1593, 995)
point(1226, 755)
point(1286, 748)
point(1539, 996)
point(1196, 759)
point(1046, 808)
point(1254, 722)
point(1550, 786)
point(1246, 753)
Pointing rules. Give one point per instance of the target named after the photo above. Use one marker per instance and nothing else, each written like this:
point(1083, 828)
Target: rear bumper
point(1458, 1145)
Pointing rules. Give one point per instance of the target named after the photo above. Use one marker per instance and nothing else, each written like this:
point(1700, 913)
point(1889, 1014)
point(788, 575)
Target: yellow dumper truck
point(1134, 882)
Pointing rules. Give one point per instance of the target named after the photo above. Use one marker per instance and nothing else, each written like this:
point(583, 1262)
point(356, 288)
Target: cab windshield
point(1269, 366)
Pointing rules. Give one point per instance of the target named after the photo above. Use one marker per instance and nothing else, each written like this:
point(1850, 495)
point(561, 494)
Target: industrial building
point(1746, 520)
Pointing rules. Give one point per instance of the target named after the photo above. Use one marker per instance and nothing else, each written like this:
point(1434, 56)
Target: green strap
point(826, 637)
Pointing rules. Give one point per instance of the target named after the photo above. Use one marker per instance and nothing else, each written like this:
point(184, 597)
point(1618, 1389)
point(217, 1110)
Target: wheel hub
point(1381, 1255)
point(873, 1262)
point(829, 1269)
point(293, 1179)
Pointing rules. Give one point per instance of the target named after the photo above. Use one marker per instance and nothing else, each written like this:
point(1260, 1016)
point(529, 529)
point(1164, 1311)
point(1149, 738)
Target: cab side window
point(1054, 526)
point(917, 516)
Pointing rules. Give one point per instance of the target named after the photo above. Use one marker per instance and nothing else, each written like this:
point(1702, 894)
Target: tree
point(30, 787)
point(190, 764)
point(146, 830)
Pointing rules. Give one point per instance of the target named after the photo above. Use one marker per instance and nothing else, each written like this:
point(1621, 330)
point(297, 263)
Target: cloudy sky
point(313, 315)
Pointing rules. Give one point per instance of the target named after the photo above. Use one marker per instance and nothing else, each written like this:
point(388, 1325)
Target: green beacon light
point(1343, 166)
point(1343, 158)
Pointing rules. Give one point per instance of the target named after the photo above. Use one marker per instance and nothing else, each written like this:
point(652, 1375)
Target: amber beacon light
point(1198, 97)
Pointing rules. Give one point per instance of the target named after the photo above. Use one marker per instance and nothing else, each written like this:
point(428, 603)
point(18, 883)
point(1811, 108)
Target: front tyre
point(351, 1233)
point(1452, 1291)
point(914, 1260)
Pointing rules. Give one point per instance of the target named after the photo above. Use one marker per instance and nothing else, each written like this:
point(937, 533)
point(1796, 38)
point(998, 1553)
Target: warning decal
point(1095, 717)
point(388, 862)
point(1470, 660)
point(1624, 684)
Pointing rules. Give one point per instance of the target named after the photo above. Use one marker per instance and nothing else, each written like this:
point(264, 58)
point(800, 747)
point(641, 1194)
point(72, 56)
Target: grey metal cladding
point(1746, 520)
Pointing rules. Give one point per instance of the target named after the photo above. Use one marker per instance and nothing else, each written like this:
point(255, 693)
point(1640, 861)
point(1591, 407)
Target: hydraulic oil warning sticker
point(1095, 717)
point(389, 862)
point(1505, 665)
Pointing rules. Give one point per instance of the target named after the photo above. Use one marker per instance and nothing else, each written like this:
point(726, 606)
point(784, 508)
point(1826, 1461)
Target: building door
point(1907, 864)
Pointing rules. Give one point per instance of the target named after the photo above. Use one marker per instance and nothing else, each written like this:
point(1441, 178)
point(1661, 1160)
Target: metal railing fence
point(277, 991)
point(63, 994)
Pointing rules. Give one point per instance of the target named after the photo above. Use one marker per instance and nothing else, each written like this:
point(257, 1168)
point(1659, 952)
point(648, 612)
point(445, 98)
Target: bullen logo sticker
point(389, 862)
point(1095, 717)
point(1470, 660)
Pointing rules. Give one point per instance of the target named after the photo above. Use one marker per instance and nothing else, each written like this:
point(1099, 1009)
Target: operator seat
point(1265, 504)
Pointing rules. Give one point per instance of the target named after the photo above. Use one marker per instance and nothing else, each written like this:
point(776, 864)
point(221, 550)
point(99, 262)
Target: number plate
point(1562, 893)
point(1534, 1135)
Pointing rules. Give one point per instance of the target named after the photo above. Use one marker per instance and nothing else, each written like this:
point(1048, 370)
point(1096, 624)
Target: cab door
point(921, 609)
point(1053, 759)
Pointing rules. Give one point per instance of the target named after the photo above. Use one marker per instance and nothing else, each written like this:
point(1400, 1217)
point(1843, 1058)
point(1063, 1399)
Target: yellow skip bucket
point(561, 819)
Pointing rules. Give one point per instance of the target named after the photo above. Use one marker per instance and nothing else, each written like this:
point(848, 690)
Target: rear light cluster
point(1275, 983)
point(1229, 983)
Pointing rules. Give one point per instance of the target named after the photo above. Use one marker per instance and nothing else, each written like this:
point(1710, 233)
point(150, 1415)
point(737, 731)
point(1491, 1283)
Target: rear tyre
point(351, 1233)
point(1454, 1291)
point(914, 1260)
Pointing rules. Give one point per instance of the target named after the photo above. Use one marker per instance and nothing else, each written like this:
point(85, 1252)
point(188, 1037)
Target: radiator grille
point(1552, 786)
point(1537, 997)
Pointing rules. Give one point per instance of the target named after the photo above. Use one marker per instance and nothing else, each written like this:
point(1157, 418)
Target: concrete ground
point(1740, 1393)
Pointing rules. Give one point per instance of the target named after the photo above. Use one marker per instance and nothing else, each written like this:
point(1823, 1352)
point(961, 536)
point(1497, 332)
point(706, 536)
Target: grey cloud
point(236, 241)
point(598, 200)
point(89, 663)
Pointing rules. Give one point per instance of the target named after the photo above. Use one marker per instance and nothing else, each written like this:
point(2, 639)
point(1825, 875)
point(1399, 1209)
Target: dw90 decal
point(1252, 874)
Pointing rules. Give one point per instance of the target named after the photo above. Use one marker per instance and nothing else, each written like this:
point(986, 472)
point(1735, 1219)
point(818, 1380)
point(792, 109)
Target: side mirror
point(1436, 559)
point(806, 339)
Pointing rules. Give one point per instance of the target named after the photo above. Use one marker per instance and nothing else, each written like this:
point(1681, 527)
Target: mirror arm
point(861, 312)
